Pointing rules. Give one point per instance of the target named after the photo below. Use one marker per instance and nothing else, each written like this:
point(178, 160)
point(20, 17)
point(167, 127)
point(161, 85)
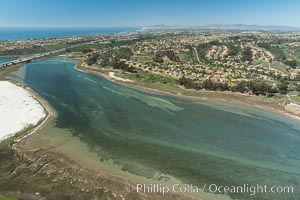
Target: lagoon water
point(6, 59)
point(149, 134)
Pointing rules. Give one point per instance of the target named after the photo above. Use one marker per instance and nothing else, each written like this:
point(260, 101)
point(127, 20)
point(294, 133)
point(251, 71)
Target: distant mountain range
point(249, 27)
point(228, 27)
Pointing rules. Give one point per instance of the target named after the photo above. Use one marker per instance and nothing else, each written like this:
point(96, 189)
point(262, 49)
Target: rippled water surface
point(150, 134)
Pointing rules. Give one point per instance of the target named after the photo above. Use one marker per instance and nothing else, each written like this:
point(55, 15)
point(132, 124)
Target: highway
point(40, 55)
point(30, 58)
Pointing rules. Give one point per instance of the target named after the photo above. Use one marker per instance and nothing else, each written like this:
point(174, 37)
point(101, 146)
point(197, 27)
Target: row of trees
point(207, 84)
point(253, 87)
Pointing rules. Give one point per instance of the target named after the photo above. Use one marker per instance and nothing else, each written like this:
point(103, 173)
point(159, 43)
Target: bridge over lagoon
point(30, 58)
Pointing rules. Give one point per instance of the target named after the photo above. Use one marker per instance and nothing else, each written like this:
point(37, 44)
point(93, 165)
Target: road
point(37, 56)
point(196, 53)
point(30, 58)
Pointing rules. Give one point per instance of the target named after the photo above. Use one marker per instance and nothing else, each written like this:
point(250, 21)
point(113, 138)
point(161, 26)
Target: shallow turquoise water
point(149, 133)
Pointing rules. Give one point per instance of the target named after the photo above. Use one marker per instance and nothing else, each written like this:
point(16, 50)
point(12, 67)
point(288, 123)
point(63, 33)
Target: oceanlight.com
point(213, 188)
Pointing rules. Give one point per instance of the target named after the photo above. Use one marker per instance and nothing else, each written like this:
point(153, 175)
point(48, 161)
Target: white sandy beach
point(18, 109)
point(113, 76)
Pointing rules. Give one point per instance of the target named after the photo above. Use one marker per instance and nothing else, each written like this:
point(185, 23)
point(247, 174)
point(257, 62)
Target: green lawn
point(275, 65)
point(296, 98)
point(146, 79)
point(185, 57)
point(265, 64)
point(8, 196)
point(279, 66)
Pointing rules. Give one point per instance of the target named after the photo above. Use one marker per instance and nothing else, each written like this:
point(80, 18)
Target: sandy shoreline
point(50, 115)
point(218, 96)
point(19, 110)
point(113, 76)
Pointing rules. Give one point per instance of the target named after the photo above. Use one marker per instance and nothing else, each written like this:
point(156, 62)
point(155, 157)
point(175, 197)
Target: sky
point(119, 13)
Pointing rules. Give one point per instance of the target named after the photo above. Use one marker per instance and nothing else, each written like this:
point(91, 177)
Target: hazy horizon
point(152, 25)
point(117, 13)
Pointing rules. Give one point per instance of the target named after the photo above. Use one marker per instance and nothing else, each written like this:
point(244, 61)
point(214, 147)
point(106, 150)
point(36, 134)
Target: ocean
point(33, 33)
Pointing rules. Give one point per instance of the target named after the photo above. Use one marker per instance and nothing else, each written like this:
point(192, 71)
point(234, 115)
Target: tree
point(292, 63)
point(283, 87)
point(186, 82)
point(92, 59)
point(247, 54)
point(232, 50)
point(123, 66)
point(241, 87)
